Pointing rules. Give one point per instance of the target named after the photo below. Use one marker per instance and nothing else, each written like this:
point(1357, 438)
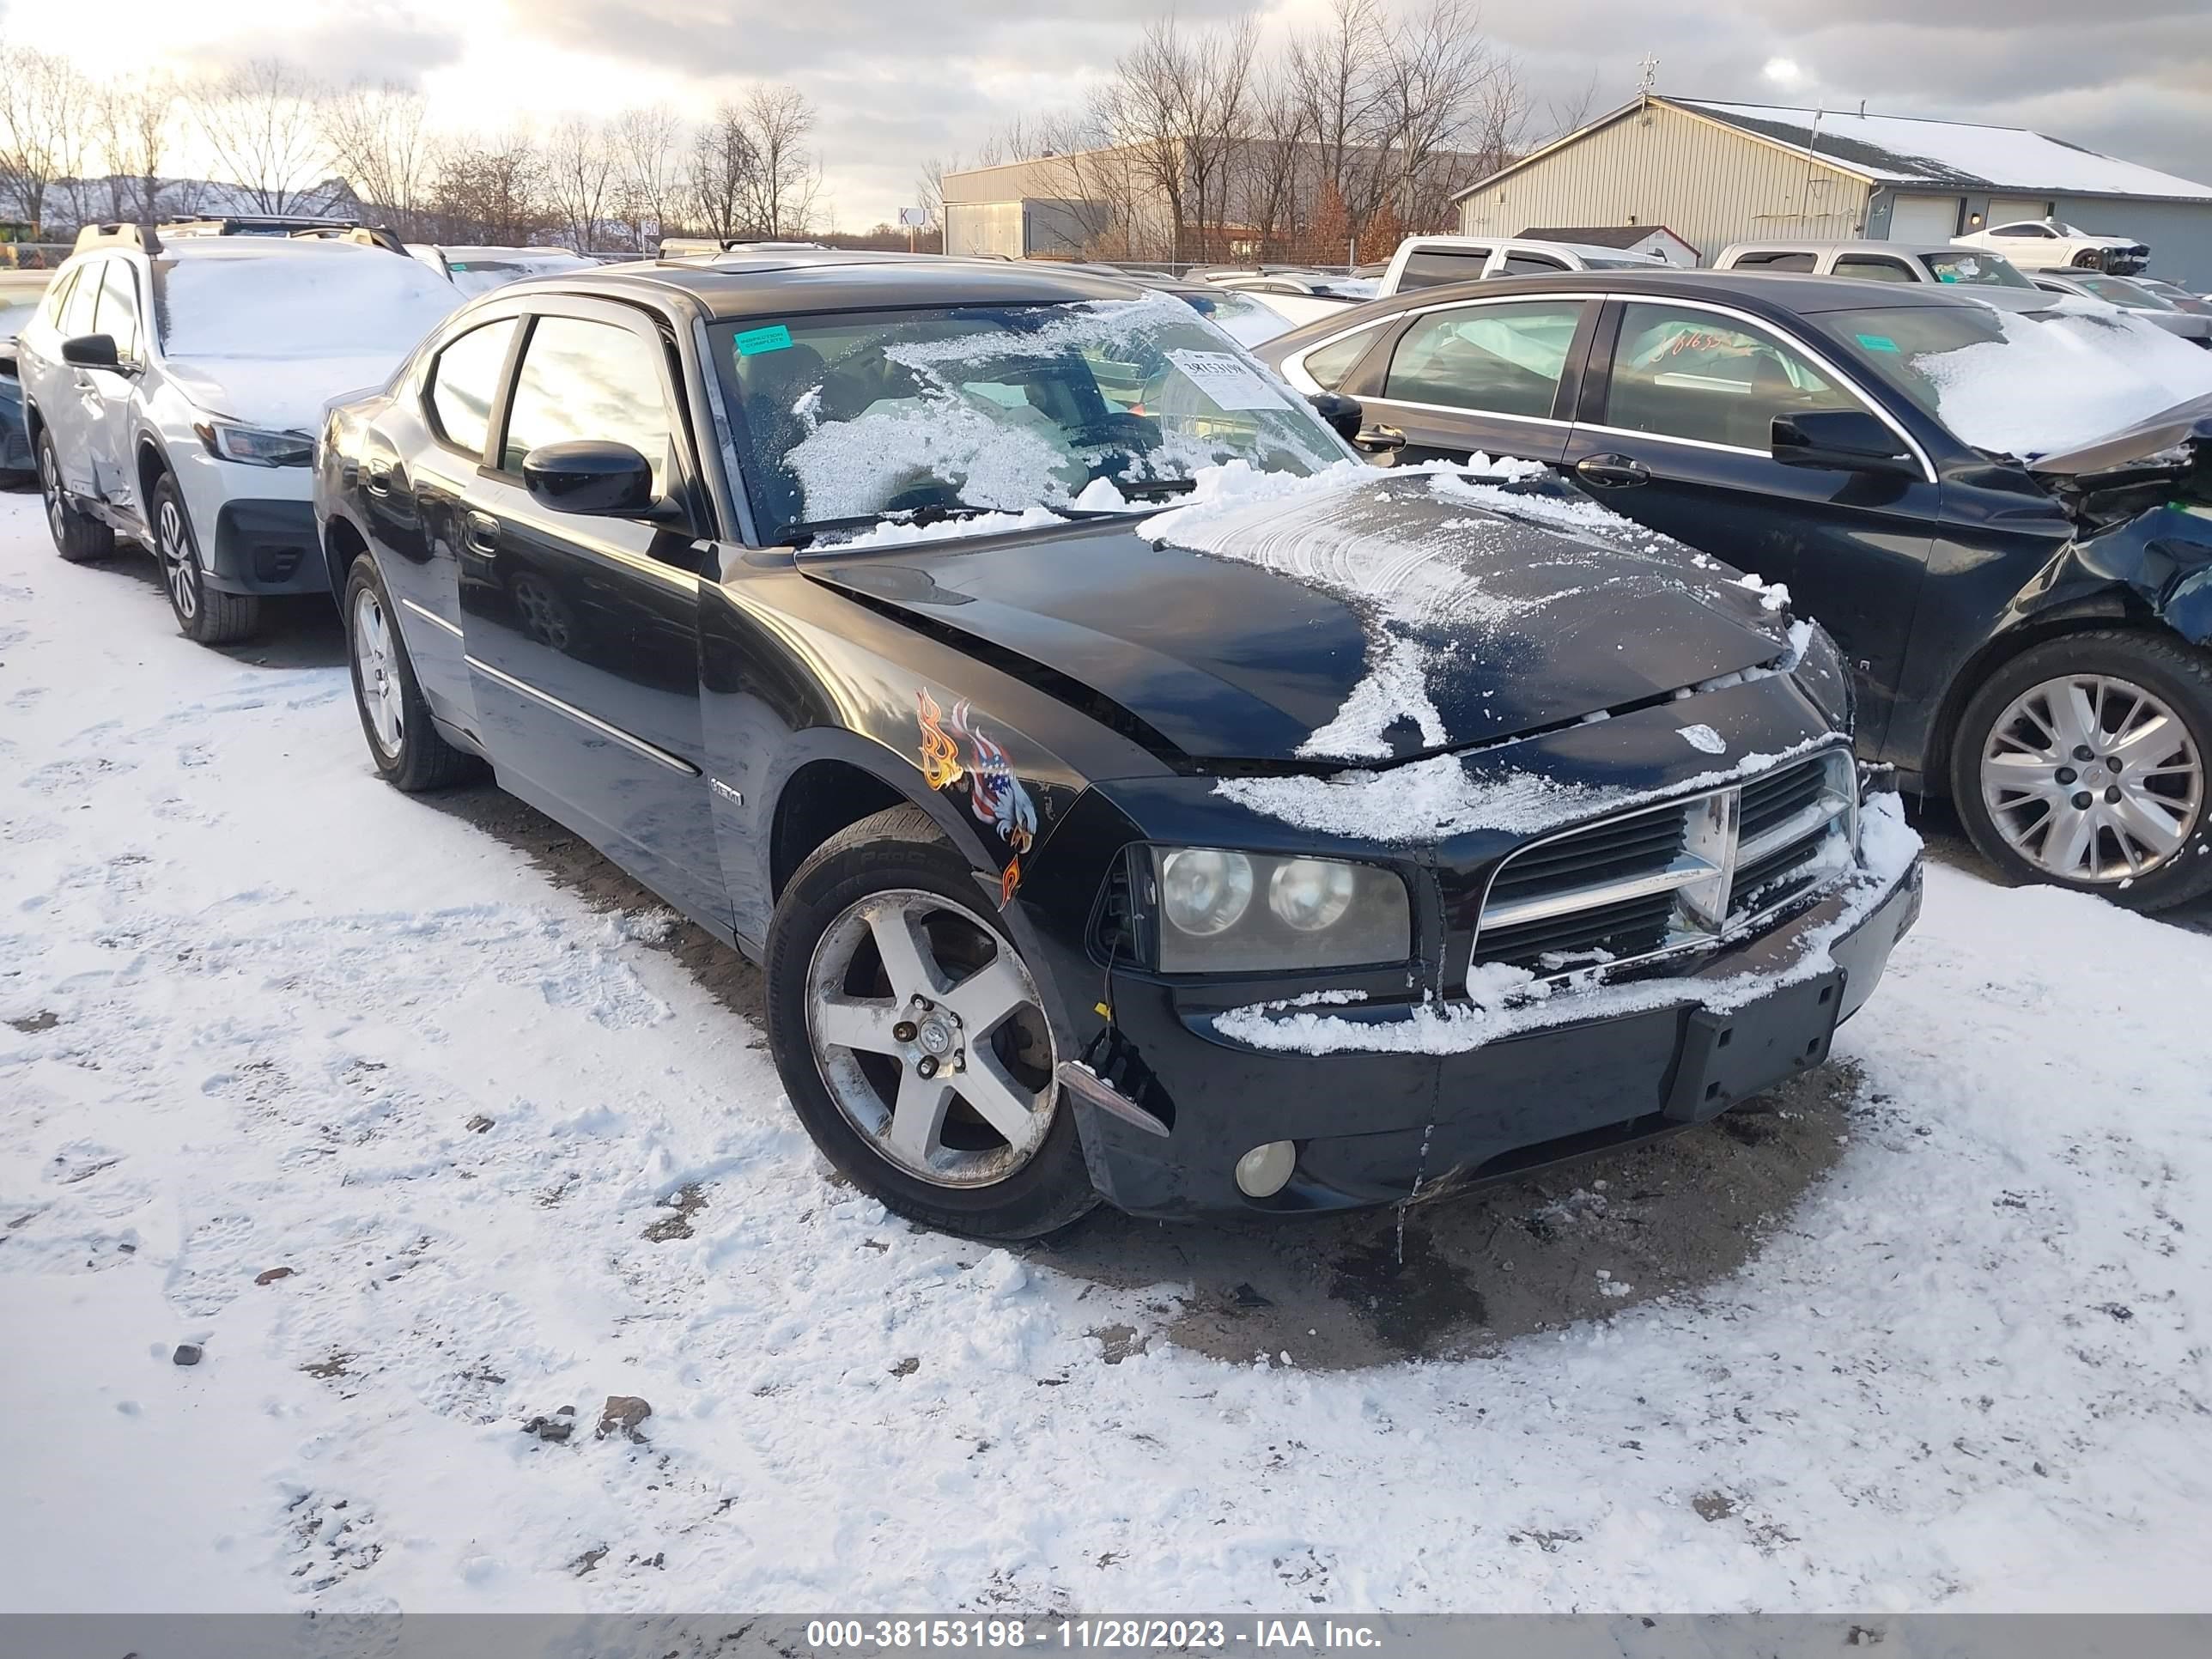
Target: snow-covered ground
point(264, 1019)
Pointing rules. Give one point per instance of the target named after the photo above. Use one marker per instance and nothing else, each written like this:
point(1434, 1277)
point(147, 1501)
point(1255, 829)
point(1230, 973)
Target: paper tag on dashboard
point(1231, 383)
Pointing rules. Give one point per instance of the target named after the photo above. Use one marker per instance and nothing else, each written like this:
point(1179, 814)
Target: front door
point(1484, 377)
point(582, 631)
point(1681, 441)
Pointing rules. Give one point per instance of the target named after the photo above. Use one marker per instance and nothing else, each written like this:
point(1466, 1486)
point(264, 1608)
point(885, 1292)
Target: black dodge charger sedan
point(2029, 623)
point(1127, 793)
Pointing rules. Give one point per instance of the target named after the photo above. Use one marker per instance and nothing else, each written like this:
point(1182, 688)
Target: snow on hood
point(267, 334)
point(2063, 379)
point(1433, 588)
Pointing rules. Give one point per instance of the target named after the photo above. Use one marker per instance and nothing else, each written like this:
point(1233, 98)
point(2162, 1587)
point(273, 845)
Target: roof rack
point(296, 226)
point(118, 233)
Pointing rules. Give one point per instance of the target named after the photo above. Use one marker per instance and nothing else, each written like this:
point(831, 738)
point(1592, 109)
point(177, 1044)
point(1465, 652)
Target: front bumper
point(1372, 1126)
point(262, 546)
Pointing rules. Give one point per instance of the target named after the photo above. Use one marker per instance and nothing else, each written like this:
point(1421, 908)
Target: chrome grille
point(1673, 875)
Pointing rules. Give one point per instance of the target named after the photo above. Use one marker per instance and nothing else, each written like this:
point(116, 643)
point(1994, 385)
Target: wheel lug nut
point(2083, 799)
point(2113, 794)
point(927, 1066)
point(2067, 774)
point(2084, 752)
point(904, 1031)
point(2112, 763)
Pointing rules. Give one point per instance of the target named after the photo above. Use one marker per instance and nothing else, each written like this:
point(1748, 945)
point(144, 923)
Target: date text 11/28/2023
point(1144, 1634)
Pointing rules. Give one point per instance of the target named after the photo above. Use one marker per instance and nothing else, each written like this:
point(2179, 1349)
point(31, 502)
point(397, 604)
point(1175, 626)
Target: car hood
point(2183, 434)
point(1350, 620)
point(280, 394)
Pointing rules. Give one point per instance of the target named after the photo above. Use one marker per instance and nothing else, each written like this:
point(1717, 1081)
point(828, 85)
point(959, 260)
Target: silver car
point(2130, 295)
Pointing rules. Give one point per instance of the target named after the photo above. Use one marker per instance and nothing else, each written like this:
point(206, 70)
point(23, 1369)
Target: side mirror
point(590, 475)
point(91, 352)
point(1341, 412)
point(1840, 440)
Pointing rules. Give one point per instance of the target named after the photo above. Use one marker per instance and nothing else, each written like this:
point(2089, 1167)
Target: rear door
point(1485, 375)
point(1677, 417)
point(582, 631)
point(117, 312)
point(68, 400)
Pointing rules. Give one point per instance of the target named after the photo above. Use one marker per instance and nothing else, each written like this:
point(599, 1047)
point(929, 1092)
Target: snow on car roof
point(1896, 148)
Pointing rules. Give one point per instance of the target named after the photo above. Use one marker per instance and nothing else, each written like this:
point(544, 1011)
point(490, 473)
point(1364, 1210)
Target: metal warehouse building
point(1716, 173)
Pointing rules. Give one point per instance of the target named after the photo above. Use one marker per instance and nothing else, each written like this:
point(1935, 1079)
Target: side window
point(1504, 360)
point(115, 314)
point(1530, 265)
point(75, 316)
point(463, 377)
point(57, 296)
point(588, 379)
point(1329, 364)
point(1776, 262)
point(1684, 373)
point(1427, 267)
point(2044, 231)
point(1872, 268)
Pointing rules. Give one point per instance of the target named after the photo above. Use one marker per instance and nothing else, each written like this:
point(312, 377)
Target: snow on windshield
point(1004, 409)
point(2063, 379)
point(298, 300)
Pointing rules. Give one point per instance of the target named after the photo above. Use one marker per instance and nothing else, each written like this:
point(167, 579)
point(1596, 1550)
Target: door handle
point(480, 533)
point(1612, 471)
point(1379, 440)
point(377, 480)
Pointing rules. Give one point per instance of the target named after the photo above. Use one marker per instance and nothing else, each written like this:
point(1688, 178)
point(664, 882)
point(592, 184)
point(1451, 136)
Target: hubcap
point(49, 486)
point(376, 672)
point(178, 567)
point(2092, 779)
point(929, 1033)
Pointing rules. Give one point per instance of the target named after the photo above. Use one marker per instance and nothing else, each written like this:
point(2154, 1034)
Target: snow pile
point(2063, 378)
point(1504, 1001)
point(899, 531)
point(266, 297)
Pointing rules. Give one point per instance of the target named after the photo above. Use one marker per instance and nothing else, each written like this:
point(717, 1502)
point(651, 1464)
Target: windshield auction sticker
point(1229, 381)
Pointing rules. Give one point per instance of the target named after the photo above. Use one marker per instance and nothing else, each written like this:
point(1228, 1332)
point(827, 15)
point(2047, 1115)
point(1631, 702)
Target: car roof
point(781, 284)
point(1861, 246)
point(1782, 291)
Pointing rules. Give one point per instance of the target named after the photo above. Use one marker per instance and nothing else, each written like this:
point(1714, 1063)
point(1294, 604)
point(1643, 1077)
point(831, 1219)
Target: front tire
point(79, 538)
point(2084, 762)
point(410, 754)
point(913, 1041)
point(204, 614)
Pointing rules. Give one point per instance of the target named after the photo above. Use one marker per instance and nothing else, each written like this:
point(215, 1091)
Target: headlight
point(1319, 913)
point(255, 446)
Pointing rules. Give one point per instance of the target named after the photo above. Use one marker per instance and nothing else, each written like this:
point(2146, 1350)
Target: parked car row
point(1087, 746)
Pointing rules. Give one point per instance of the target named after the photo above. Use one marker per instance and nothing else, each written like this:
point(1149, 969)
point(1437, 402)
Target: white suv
point(172, 396)
point(1430, 261)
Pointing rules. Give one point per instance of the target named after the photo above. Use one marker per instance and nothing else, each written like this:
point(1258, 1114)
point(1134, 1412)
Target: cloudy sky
point(897, 81)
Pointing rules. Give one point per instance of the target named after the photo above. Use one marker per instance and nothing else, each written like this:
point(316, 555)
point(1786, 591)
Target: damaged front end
point(2143, 499)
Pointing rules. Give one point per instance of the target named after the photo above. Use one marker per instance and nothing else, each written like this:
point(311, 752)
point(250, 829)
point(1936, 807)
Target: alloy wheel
point(178, 568)
point(2091, 778)
point(930, 1035)
point(49, 486)
point(377, 669)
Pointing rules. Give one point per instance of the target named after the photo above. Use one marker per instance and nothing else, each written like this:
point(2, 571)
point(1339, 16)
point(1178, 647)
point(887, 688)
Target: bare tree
point(376, 136)
point(723, 162)
point(134, 115)
point(929, 187)
point(1444, 85)
point(1176, 103)
point(1334, 76)
point(491, 191)
point(786, 176)
point(263, 123)
point(649, 187)
point(581, 177)
point(46, 123)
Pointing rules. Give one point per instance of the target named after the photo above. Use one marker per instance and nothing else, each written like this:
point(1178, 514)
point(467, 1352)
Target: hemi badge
point(724, 789)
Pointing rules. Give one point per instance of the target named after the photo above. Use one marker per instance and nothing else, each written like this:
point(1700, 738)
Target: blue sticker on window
point(1877, 343)
point(1947, 275)
point(754, 341)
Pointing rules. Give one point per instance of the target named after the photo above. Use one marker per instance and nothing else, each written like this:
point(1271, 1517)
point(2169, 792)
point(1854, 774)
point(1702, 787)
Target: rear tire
point(2029, 795)
point(979, 1142)
point(79, 538)
point(410, 753)
point(204, 614)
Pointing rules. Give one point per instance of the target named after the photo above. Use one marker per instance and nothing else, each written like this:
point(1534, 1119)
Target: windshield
point(844, 420)
point(2025, 385)
point(1971, 265)
point(299, 300)
point(2119, 291)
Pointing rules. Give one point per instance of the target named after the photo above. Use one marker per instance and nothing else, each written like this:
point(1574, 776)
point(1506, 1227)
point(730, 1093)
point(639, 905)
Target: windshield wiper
point(1152, 488)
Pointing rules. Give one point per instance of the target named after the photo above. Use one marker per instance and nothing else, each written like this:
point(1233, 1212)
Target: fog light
point(1265, 1170)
